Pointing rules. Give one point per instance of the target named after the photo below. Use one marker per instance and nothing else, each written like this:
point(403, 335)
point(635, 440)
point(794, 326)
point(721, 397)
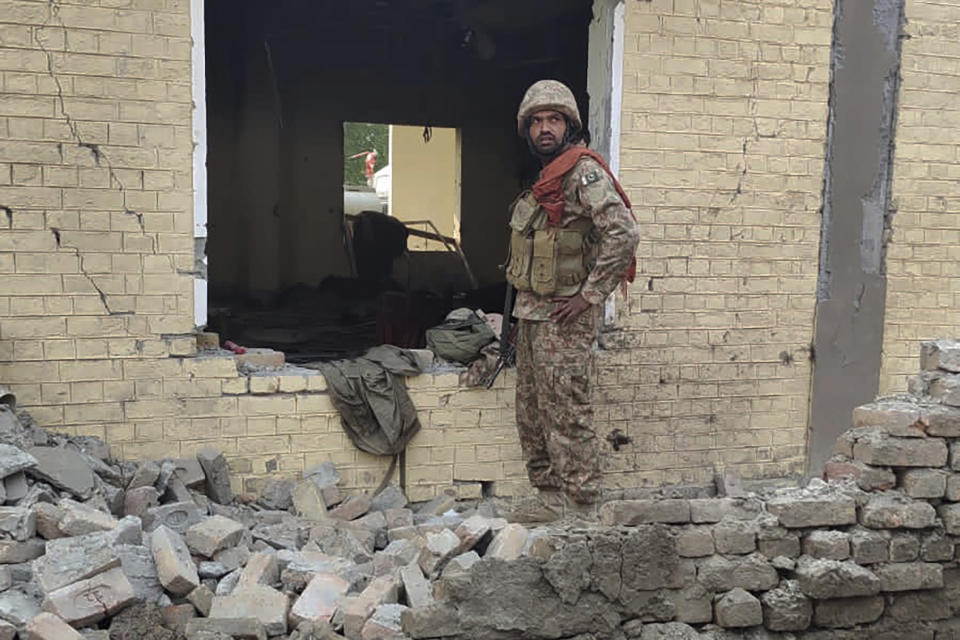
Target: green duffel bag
point(461, 336)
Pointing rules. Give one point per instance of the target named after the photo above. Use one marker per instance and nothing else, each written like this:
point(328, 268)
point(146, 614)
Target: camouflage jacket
point(589, 191)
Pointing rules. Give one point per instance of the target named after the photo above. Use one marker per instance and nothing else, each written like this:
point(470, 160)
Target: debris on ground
point(95, 548)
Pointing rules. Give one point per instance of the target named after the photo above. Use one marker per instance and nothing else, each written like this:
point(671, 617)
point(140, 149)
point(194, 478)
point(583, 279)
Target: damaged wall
point(924, 247)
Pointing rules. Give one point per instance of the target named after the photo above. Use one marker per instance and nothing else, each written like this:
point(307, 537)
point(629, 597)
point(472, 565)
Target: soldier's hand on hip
point(568, 309)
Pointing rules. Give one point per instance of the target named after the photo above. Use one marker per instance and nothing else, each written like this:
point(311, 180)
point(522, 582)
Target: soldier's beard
point(546, 157)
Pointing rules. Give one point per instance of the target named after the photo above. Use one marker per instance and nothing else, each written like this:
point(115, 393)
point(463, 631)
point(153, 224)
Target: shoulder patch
point(590, 178)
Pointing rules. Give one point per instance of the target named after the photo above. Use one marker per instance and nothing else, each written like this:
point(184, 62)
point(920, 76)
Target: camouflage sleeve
point(617, 228)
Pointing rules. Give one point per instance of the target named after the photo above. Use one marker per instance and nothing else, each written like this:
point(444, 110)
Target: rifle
point(508, 348)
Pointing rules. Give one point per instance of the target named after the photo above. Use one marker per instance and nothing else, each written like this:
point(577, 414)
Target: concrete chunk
point(213, 534)
point(471, 531)
point(175, 569)
point(262, 568)
point(70, 560)
point(64, 469)
point(634, 512)
point(320, 600)
point(509, 543)
point(385, 624)
point(14, 460)
point(79, 519)
point(13, 552)
point(416, 587)
point(897, 418)
point(358, 609)
point(801, 510)
point(439, 548)
point(87, 601)
point(940, 354)
point(46, 626)
point(266, 604)
point(217, 475)
point(737, 609)
point(176, 516)
point(308, 501)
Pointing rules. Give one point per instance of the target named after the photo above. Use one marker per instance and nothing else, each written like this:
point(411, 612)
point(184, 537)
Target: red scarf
point(548, 190)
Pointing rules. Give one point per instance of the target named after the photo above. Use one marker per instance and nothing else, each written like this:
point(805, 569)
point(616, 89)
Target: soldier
point(573, 240)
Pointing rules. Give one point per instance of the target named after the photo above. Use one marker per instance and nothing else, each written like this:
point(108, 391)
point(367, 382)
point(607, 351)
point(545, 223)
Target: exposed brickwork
point(922, 266)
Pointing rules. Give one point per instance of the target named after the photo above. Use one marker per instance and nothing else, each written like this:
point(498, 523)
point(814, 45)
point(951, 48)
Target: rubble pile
point(163, 550)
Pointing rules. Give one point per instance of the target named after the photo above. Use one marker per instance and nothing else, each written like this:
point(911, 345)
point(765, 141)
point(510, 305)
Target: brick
point(738, 609)
point(879, 449)
point(320, 600)
point(213, 534)
point(47, 626)
point(896, 418)
point(634, 512)
point(261, 568)
point(267, 605)
point(88, 601)
point(832, 545)
point(894, 512)
point(801, 511)
point(826, 579)
point(358, 609)
point(176, 570)
point(752, 573)
point(848, 612)
point(910, 576)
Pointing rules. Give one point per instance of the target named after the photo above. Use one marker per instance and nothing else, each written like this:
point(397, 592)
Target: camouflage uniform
point(555, 362)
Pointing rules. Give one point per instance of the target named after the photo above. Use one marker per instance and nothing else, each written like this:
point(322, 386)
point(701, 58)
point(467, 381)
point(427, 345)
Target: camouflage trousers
point(554, 413)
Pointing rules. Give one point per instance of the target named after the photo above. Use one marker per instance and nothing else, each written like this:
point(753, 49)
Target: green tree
point(357, 138)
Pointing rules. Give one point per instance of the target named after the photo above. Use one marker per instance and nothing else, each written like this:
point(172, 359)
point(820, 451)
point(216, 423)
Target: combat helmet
point(548, 94)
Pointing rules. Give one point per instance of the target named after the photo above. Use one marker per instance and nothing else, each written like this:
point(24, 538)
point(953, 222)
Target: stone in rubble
point(176, 616)
point(786, 608)
point(202, 599)
point(48, 520)
point(432, 621)
point(869, 547)
point(945, 387)
point(345, 540)
point(392, 497)
point(228, 583)
point(827, 579)
point(87, 601)
point(797, 509)
point(832, 545)
point(145, 476)
point(455, 576)
point(46, 626)
point(137, 501)
point(217, 475)
point(264, 603)
point(13, 552)
point(880, 449)
point(14, 460)
point(385, 624)
point(262, 568)
point(774, 542)
point(398, 553)
point(695, 542)
point(358, 609)
point(175, 568)
point(941, 420)
point(320, 599)
point(189, 471)
point(213, 534)
point(64, 469)
point(848, 612)
point(712, 510)
point(924, 483)
point(892, 511)
point(376, 523)
point(404, 517)
point(79, 519)
point(308, 501)
point(246, 628)
point(15, 487)
point(416, 587)
point(509, 543)
point(737, 609)
point(896, 417)
point(940, 354)
point(439, 505)
point(307, 564)
point(233, 558)
point(439, 548)
point(70, 560)
point(277, 494)
point(352, 508)
point(18, 523)
point(751, 573)
point(471, 531)
point(734, 537)
point(18, 606)
point(323, 474)
point(634, 512)
point(177, 516)
point(950, 515)
point(140, 569)
point(910, 576)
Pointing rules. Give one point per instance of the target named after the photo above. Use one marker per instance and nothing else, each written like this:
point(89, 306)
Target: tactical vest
point(549, 260)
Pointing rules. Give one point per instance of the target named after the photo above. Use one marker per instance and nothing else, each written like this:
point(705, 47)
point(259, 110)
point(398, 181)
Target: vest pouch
point(543, 279)
point(518, 266)
point(523, 212)
point(571, 269)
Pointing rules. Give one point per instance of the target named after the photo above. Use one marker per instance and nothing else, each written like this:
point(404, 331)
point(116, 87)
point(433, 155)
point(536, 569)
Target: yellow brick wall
point(723, 136)
point(724, 125)
point(923, 256)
